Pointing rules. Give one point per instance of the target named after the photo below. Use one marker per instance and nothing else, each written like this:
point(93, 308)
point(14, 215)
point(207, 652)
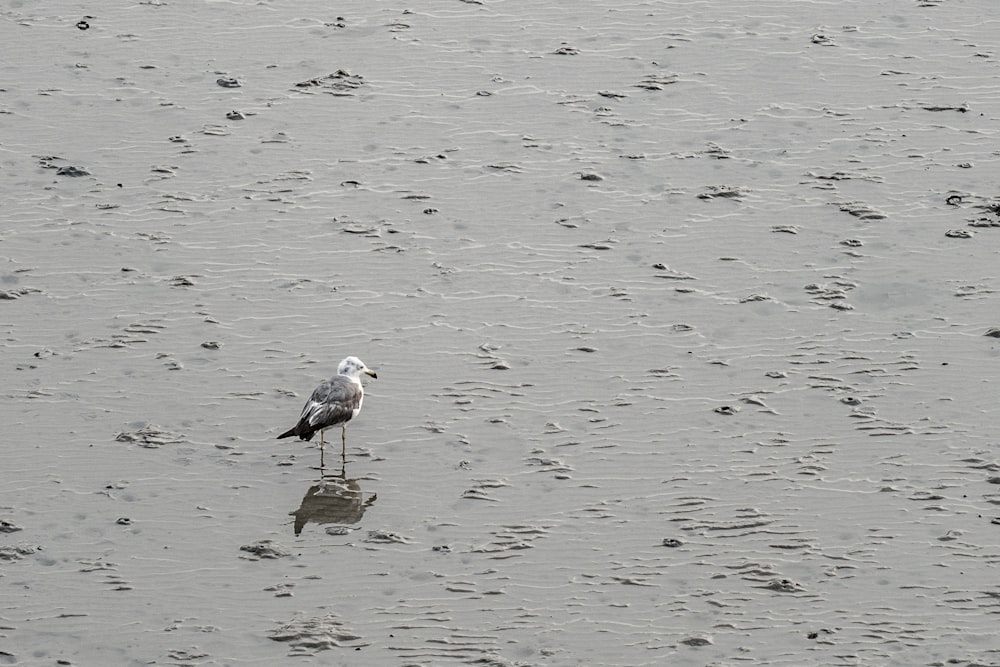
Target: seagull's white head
point(353, 367)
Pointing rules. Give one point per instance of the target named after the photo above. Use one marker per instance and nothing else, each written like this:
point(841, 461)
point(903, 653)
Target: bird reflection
point(332, 499)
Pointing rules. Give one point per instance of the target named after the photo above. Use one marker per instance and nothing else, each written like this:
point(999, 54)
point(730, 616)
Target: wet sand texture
point(684, 314)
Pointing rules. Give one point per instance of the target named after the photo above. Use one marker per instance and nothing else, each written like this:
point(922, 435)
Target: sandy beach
point(685, 317)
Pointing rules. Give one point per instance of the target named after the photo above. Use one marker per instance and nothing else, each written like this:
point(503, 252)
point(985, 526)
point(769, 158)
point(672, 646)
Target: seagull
point(333, 403)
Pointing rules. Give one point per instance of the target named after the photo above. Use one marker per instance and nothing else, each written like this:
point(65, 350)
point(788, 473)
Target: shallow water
point(681, 342)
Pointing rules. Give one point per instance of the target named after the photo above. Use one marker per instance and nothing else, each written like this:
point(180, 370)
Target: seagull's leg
point(343, 441)
point(322, 451)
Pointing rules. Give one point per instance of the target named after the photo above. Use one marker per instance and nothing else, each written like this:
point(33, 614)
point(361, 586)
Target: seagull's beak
point(369, 371)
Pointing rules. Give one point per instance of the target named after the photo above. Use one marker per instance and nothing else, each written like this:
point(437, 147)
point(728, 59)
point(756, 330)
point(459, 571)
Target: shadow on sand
point(332, 499)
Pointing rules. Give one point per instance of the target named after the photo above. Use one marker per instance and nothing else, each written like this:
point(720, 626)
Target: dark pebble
point(72, 171)
point(8, 527)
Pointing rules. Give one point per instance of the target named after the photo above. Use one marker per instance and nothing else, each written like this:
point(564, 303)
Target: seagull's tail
point(305, 434)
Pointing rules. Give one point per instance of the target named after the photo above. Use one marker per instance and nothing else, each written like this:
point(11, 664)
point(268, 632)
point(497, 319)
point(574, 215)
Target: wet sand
point(684, 316)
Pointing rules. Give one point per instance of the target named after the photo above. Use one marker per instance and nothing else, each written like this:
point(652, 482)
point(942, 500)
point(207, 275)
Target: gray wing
point(333, 402)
